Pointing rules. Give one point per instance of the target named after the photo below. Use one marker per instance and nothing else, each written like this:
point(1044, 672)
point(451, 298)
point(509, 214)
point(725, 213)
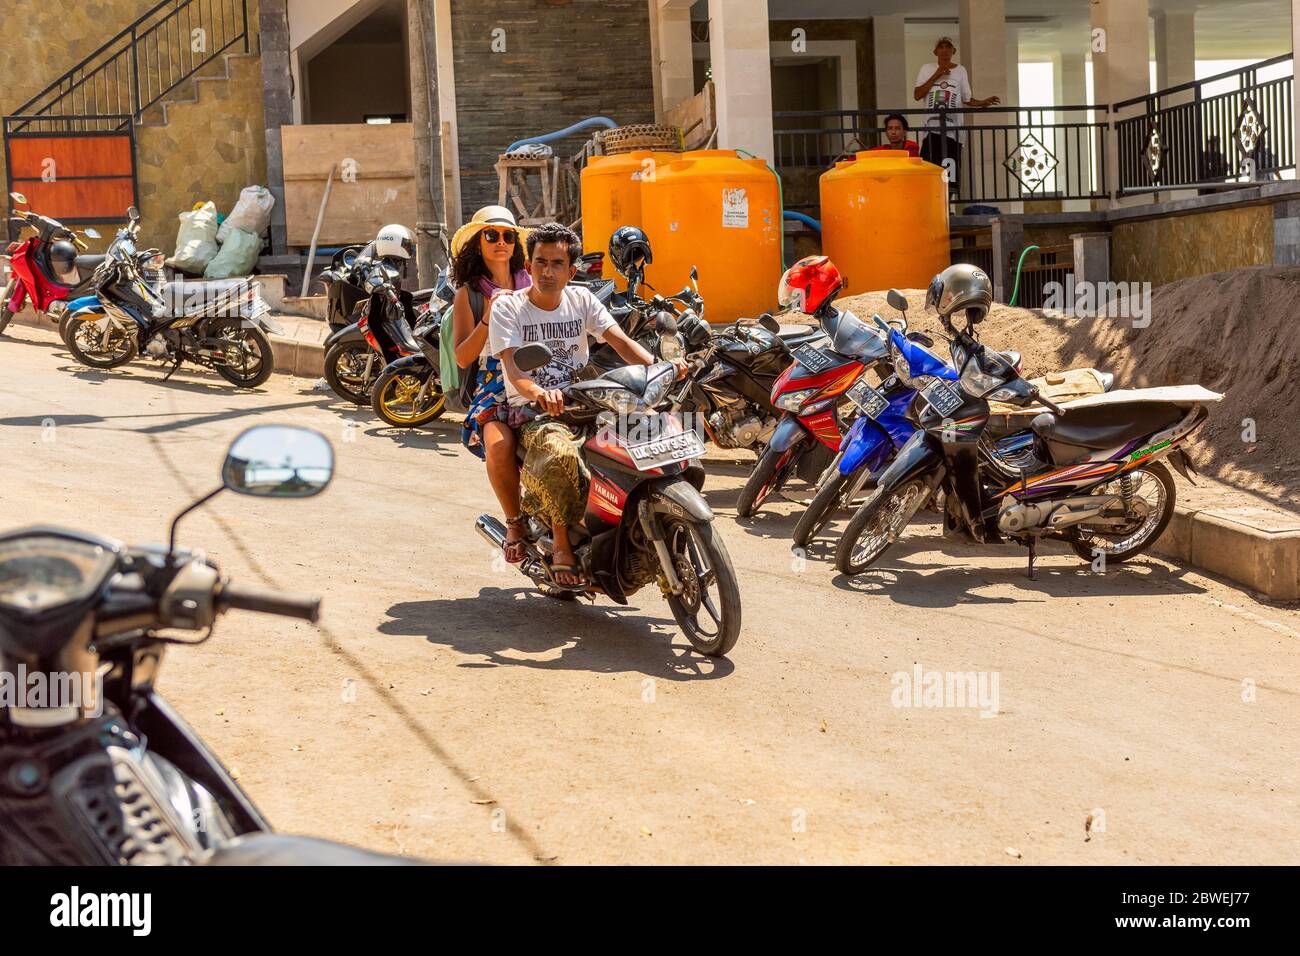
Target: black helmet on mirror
point(63, 255)
point(629, 250)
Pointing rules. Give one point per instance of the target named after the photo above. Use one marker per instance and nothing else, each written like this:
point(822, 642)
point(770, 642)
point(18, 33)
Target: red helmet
point(810, 284)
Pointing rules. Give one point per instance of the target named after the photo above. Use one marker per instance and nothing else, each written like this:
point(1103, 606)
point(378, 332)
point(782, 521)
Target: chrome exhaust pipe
point(491, 530)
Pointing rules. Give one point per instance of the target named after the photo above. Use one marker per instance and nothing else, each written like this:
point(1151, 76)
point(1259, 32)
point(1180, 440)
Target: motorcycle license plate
point(813, 359)
point(942, 397)
point(868, 399)
point(666, 450)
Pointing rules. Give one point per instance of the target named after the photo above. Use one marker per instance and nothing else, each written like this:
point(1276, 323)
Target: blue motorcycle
point(880, 430)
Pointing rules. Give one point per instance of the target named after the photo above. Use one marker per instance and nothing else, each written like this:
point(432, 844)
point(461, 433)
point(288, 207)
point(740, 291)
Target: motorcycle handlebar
point(1048, 404)
point(267, 601)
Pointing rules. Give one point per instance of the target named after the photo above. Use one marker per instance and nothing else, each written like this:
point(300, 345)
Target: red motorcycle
point(43, 268)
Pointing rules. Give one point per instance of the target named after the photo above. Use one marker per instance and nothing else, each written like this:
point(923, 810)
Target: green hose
point(1016, 291)
point(780, 192)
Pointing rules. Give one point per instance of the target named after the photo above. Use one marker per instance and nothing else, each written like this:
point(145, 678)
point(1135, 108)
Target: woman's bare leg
point(499, 445)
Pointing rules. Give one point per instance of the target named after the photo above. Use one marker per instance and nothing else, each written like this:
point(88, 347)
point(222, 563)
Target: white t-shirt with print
point(516, 322)
point(949, 92)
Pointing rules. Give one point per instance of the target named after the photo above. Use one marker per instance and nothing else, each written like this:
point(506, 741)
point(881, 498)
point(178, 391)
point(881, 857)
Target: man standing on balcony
point(945, 85)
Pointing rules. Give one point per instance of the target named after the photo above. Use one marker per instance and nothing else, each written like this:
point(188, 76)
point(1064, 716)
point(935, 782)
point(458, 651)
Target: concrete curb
point(1255, 547)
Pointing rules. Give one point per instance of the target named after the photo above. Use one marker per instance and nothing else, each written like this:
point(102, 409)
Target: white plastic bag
point(196, 240)
point(237, 257)
point(252, 213)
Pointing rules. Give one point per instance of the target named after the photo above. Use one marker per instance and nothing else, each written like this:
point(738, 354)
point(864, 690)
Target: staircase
point(175, 43)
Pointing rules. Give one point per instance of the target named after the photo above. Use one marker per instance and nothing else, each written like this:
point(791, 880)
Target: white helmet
point(394, 242)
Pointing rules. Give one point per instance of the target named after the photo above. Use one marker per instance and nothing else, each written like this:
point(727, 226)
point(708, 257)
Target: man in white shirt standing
point(561, 316)
point(945, 85)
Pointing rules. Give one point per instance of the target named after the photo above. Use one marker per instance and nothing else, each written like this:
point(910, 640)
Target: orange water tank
point(611, 197)
point(885, 221)
point(714, 210)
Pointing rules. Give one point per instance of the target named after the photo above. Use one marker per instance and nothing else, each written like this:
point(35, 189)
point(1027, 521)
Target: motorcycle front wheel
point(708, 609)
point(770, 473)
point(249, 358)
point(399, 397)
point(822, 510)
point(346, 366)
point(6, 315)
point(100, 347)
point(1154, 486)
point(877, 525)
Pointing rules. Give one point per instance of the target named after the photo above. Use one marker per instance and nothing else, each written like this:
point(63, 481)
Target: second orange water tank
point(611, 197)
point(714, 210)
point(885, 221)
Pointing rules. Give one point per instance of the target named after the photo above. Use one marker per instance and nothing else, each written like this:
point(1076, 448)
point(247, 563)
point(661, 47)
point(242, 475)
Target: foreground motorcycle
point(224, 330)
point(104, 771)
point(43, 269)
point(645, 520)
point(1093, 477)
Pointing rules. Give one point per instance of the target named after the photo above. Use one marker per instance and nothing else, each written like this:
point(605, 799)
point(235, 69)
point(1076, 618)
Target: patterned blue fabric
point(489, 390)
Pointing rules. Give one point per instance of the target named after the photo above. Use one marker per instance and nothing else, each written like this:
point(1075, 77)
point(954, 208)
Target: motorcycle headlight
point(794, 401)
point(618, 400)
point(661, 378)
point(976, 382)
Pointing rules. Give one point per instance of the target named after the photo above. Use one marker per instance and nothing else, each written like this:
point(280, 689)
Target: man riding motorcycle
point(561, 316)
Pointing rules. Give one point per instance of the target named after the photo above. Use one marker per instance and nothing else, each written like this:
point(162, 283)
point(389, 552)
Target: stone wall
point(208, 149)
point(564, 60)
point(1178, 247)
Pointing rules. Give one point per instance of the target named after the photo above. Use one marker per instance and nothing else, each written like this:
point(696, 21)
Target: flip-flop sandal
point(553, 569)
point(515, 551)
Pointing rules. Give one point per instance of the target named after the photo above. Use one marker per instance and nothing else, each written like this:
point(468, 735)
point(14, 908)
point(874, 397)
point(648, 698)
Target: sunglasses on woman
point(500, 235)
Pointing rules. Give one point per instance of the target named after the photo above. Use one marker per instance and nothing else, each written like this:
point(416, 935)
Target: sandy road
point(443, 710)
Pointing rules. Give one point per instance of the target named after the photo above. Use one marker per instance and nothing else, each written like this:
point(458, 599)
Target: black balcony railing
point(1184, 136)
point(138, 67)
point(998, 154)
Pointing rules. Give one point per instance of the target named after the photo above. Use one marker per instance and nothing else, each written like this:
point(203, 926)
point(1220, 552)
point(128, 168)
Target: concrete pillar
point(1286, 233)
point(1295, 87)
point(277, 105)
point(421, 39)
point(1091, 264)
point(1013, 66)
point(1073, 149)
point(448, 138)
point(1120, 67)
point(1175, 48)
point(893, 79)
point(983, 51)
point(1008, 243)
point(742, 75)
point(670, 46)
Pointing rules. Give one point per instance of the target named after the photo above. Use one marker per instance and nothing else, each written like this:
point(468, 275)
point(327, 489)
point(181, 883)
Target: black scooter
point(101, 770)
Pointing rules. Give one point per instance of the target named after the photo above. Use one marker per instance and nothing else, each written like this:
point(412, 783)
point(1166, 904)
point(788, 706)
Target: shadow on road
point(504, 626)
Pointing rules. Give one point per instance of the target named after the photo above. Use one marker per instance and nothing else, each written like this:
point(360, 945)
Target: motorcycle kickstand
point(173, 369)
point(1033, 553)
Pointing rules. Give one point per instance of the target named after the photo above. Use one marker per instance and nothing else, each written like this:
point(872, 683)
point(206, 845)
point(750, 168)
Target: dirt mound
point(1234, 332)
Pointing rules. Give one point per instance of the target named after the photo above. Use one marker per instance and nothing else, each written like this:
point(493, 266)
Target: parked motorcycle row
point(122, 308)
point(874, 416)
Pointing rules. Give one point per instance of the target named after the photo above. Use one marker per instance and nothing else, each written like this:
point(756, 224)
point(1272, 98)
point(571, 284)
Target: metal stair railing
point(139, 66)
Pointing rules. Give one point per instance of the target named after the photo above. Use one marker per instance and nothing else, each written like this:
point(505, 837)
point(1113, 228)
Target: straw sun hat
point(486, 218)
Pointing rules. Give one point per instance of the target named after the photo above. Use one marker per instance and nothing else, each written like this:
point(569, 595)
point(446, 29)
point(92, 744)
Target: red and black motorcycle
point(645, 519)
point(810, 393)
point(44, 268)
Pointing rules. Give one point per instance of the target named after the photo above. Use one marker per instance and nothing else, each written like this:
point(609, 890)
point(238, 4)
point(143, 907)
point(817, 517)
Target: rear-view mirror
point(529, 358)
point(897, 300)
point(276, 461)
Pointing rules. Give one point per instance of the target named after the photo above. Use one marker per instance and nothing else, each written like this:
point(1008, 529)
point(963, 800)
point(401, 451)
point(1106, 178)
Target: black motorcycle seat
point(1106, 426)
point(796, 339)
point(274, 849)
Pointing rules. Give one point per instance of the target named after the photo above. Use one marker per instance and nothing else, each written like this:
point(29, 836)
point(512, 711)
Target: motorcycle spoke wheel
point(247, 356)
point(877, 525)
point(100, 348)
point(1151, 487)
point(708, 608)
